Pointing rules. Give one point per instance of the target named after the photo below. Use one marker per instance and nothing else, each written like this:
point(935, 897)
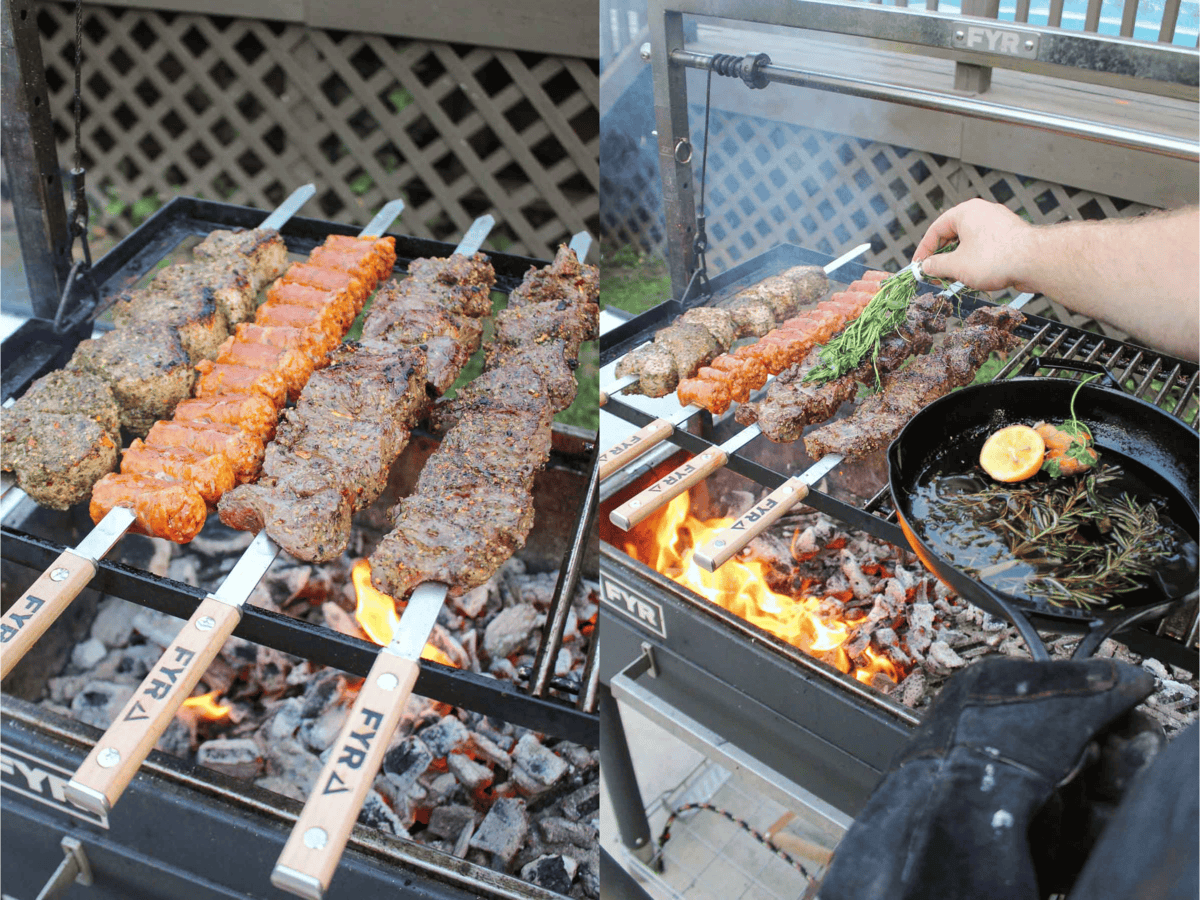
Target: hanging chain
point(700, 245)
point(78, 219)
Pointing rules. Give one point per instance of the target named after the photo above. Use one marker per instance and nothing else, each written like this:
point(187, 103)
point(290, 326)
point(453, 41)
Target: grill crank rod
point(311, 854)
point(700, 467)
point(649, 436)
point(36, 609)
point(762, 515)
point(112, 763)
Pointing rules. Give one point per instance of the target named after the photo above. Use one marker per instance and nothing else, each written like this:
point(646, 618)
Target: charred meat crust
point(148, 372)
point(472, 506)
point(880, 417)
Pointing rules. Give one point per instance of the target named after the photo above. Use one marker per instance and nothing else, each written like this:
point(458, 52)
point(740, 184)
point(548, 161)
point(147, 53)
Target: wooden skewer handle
point(315, 845)
point(750, 525)
point(635, 445)
point(36, 609)
point(798, 846)
point(115, 759)
point(695, 470)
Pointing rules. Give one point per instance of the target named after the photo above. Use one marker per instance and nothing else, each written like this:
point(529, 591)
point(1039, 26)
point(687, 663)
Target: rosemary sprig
point(862, 338)
point(1055, 528)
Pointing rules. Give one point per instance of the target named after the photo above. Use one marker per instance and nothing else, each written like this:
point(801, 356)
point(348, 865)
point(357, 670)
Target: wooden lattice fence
point(244, 110)
point(772, 182)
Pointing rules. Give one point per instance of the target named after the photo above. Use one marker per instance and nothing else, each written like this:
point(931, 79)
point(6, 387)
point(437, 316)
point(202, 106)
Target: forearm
point(1140, 275)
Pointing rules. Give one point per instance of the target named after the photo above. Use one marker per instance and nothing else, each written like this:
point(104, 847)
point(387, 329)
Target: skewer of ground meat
point(472, 506)
point(791, 404)
point(701, 334)
point(881, 416)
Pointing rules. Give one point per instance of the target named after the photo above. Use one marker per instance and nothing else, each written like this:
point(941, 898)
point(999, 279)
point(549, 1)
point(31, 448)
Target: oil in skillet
point(972, 536)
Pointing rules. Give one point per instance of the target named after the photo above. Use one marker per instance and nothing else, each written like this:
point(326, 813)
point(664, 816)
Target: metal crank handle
point(695, 470)
point(752, 523)
point(638, 443)
point(108, 769)
point(311, 854)
point(36, 609)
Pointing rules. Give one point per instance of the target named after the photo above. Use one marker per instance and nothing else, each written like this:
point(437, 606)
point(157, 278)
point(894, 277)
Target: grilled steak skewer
point(332, 453)
point(790, 404)
point(880, 417)
point(701, 334)
point(472, 506)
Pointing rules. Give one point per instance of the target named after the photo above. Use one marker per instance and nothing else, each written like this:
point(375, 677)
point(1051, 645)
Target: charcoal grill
point(186, 831)
point(806, 733)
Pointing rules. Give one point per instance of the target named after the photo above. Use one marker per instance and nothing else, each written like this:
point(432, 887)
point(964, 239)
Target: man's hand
point(992, 243)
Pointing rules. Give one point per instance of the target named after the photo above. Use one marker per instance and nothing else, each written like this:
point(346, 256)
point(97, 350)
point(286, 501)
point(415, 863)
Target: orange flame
point(206, 705)
point(376, 613)
point(666, 541)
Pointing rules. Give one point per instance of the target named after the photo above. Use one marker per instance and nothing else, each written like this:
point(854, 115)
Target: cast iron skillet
point(946, 437)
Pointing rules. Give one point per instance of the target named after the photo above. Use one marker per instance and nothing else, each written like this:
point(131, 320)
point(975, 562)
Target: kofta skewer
point(156, 502)
point(112, 763)
point(537, 341)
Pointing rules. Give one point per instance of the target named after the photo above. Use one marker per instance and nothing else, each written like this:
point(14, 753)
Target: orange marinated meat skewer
point(253, 413)
point(209, 473)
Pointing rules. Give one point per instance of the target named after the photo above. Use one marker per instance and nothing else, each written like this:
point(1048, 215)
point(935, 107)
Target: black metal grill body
point(800, 717)
point(137, 850)
point(188, 832)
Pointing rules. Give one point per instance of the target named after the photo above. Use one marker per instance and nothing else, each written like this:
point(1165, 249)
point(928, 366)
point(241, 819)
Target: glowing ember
point(376, 613)
point(665, 543)
point(206, 706)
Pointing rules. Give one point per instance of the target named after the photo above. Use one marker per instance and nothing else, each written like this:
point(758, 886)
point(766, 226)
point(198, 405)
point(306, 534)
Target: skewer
point(108, 769)
point(35, 610)
point(649, 436)
point(700, 467)
point(728, 543)
point(311, 854)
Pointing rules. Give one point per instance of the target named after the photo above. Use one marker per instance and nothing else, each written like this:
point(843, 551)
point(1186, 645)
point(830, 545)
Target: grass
point(584, 412)
point(633, 282)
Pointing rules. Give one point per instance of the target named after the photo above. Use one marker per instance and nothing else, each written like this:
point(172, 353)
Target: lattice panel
point(245, 110)
point(771, 182)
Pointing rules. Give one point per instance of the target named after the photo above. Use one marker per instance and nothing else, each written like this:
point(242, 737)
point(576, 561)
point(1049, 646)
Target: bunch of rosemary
point(862, 338)
point(1086, 547)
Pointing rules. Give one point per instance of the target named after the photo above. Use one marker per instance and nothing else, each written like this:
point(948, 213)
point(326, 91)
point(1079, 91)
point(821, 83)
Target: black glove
point(950, 819)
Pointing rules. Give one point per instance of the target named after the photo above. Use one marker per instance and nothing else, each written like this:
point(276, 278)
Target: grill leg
point(616, 768)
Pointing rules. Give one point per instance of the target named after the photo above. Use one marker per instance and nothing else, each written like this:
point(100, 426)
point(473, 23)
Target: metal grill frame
point(124, 266)
point(1156, 68)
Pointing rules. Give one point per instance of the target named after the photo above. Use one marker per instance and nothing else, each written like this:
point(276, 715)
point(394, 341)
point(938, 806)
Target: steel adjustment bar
point(1116, 135)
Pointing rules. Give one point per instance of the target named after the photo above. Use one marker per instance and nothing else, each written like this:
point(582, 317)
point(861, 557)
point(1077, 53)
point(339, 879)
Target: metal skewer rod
point(646, 438)
point(35, 610)
point(310, 856)
point(108, 769)
point(626, 380)
point(700, 467)
point(581, 243)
